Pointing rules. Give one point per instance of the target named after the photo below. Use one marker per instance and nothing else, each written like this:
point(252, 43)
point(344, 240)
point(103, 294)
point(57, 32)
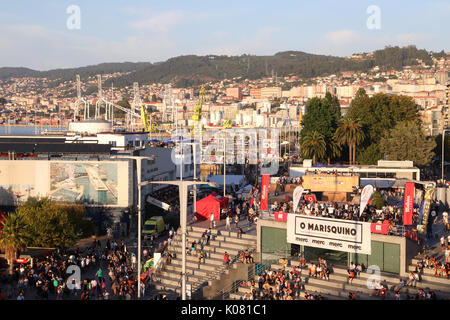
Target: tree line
point(374, 128)
point(43, 223)
point(192, 70)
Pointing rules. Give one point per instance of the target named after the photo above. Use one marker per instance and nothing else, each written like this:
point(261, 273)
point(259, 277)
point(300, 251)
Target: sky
point(50, 34)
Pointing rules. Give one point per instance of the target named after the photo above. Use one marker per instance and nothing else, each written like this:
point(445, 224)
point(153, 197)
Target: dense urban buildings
point(280, 186)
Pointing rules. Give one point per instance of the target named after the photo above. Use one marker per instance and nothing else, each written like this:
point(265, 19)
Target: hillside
point(7, 72)
point(69, 74)
point(192, 70)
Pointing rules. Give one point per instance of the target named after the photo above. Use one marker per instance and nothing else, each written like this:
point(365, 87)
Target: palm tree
point(333, 149)
point(349, 133)
point(13, 237)
point(313, 144)
point(358, 137)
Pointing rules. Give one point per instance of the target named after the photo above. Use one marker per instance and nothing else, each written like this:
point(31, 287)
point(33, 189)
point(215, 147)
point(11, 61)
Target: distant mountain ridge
point(70, 73)
point(190, 70)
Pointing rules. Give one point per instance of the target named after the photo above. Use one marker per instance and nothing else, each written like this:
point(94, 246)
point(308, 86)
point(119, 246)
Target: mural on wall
point(84, 183)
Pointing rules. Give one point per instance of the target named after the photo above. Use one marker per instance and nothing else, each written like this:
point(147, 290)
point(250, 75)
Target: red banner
point(379, 227)
point(23, 260)
point(280, 216)
point(265, 192)
point(408, 204)
point(310, 198)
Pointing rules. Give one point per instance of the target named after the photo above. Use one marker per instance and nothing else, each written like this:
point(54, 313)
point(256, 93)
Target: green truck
point(154, 226)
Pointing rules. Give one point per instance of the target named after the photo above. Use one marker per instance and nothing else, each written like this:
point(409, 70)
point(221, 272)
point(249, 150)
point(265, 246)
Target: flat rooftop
point(52, 147)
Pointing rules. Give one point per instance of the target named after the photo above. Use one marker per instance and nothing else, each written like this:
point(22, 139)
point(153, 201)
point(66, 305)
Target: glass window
point(371, 175)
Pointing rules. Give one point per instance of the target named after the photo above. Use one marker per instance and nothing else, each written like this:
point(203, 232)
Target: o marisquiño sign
point(328, 233)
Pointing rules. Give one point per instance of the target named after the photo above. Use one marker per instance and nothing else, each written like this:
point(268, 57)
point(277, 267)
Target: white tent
point(237, 180)
point(245, 192)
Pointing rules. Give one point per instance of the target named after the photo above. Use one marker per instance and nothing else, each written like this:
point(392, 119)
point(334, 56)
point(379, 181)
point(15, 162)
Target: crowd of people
point(346, 211)
point(441, 269)
point(106, 272)
point(275, 285)
point(282, 284)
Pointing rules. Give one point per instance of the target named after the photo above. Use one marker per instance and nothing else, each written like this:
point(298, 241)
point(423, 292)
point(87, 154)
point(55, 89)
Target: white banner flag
point(365, 197)
point(297, 194)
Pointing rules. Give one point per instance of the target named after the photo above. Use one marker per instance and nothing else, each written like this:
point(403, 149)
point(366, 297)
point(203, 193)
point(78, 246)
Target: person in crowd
point(351, 275)
point(236, 220)
point(228, 223)
point(226, 258)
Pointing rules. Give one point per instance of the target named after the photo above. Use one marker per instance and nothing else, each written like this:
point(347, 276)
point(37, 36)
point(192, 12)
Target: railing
point(234, 287)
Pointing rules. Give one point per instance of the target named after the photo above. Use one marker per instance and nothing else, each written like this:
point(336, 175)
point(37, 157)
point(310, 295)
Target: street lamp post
point(183, 188)
point(195, 177)
point(139, 240)
point(140, 185)
point(181, 163)
point(195, 168)
point(224, 165)
point(443, 147)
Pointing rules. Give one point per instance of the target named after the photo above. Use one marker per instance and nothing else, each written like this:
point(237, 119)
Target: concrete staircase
point(198, 275)
point(337, 288)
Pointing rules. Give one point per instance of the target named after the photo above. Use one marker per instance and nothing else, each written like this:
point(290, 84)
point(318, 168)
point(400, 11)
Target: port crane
point(153, 126)
point(227, 124)
point(197, 116)
point(132, 115)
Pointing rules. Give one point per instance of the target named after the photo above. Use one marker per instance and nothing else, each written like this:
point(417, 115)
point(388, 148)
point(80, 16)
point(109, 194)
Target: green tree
point(406, 141)
point(314, 145)
point(377, 200)
point(333, 150)
point(349, 133)
point(334, 104)
point(14, 237)
point(377, 115)
point(55, 225)
point(322, 115)
point(370, 155)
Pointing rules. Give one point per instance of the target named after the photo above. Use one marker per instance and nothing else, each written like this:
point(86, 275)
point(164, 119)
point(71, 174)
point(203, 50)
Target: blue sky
point(34, 34)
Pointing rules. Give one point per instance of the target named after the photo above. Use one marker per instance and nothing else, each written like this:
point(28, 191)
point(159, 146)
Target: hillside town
point(222, 156)
point(242, 102)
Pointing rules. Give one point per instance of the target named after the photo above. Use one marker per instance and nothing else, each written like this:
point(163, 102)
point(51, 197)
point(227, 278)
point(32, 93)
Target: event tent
point(238, 180)
point(211, 204)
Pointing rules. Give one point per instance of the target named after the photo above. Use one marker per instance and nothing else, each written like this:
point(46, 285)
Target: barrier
point(280, 216)
point(381, 228)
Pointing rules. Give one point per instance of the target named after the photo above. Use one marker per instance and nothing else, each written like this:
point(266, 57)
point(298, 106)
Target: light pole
point(224, 164)
point(443, 147)
point(183, 188)
point(140, 185)
point(193, 143)
point(195, 177)
point(181, 162)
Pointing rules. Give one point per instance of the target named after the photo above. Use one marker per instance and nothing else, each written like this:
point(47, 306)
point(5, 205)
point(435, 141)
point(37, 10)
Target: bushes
point(55, 225)
point(377, 201)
